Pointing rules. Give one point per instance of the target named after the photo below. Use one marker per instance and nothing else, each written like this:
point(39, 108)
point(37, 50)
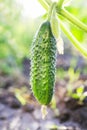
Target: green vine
point(73, 19)
point(73, 40)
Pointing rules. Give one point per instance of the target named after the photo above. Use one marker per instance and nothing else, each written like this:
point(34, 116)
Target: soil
point(64, 113)
point(68, 114)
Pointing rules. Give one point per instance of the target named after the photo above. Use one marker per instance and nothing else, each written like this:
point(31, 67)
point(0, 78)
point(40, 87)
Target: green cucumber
point(43, 58)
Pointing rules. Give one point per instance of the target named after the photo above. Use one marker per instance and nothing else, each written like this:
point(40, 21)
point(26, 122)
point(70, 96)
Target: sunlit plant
point(80, 95)
point(43, 52)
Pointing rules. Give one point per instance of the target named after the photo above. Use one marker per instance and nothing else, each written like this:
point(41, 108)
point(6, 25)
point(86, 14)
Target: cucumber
point(43, 58)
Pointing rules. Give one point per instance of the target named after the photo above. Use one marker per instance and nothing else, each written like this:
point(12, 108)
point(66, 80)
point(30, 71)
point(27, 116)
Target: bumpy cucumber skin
point(43, 58)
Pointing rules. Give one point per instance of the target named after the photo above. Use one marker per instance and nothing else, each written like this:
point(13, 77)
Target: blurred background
point(19, 21)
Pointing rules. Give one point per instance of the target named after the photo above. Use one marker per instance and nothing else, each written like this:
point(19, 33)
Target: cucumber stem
point(50, 11)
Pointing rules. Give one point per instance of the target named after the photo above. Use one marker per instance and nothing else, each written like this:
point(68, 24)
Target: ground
point(20, 111)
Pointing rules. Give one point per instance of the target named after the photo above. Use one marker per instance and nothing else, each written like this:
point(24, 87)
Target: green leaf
point(80, 90)
point(75, 96)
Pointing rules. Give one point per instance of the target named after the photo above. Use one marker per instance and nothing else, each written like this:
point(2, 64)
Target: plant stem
point(73, 40)
point(50, 11)
point(73, 19)
point(60, 2)
point(44, 4)
point(48, 2)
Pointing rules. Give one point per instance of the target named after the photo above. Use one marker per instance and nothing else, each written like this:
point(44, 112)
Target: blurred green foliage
point(16, 35)
point(8, 20)
point(78, 8)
